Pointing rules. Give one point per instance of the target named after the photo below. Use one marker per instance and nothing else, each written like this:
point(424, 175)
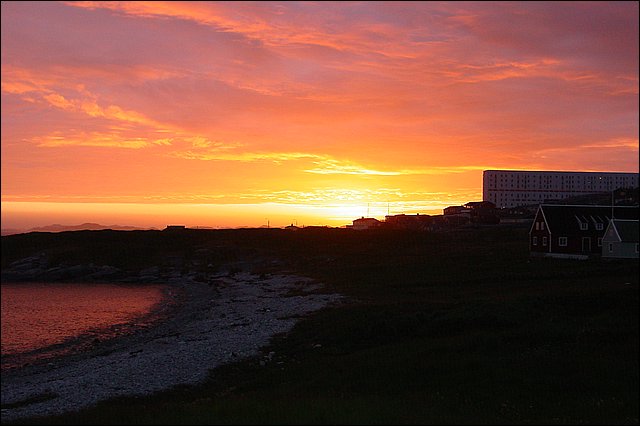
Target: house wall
point(574, 244)
point(538, 247)
point(620, 250)
point(539, 231)
point(363, 224)
point(412, 222)
point(574, 248)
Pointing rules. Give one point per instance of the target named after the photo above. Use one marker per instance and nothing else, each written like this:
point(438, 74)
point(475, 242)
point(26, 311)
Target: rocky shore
point(227, 318)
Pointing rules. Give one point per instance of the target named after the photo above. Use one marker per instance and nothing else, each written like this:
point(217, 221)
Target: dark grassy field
point(450, 328)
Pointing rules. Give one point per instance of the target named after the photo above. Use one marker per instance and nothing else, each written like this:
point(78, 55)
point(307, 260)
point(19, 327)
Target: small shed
point(620, 240)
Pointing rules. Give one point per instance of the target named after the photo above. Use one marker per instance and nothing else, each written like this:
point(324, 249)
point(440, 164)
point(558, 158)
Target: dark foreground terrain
point(457, 327)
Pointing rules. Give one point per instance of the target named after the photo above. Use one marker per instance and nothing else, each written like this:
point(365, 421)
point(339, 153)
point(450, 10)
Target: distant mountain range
point(83, 227)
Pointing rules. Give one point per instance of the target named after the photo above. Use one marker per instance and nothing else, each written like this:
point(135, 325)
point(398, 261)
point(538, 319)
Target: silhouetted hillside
point(83, 227)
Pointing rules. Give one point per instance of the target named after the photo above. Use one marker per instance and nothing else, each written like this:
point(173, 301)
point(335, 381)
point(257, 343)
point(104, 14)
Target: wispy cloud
point(80, 100)
point(329, 166)
point(321, 164)
point(221, 155)
point(625, 143)
point(97, 139)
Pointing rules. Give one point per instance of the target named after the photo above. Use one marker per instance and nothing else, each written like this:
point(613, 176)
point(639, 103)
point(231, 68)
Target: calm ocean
point(41, 320)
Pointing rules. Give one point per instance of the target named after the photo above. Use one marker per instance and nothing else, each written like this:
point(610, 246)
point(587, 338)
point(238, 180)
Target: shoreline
point(93, 338)
point(206, 325)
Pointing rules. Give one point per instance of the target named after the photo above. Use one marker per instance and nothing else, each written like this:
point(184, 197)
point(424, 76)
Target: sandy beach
point(230, 318)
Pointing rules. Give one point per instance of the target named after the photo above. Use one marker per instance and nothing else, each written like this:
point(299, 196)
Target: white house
point(621, 239)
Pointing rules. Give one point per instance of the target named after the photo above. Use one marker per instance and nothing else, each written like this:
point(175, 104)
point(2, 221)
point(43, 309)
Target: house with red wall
point(573, 231)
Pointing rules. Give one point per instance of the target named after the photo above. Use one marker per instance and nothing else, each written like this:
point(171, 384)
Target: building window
point(537, 226)
point(599, 226)
point(599, 241)
point(636, 247)
point(535, 241)
point(610, 248)
point(584, 226)
point(562, 241)
point(544, 241)
point(542, 226)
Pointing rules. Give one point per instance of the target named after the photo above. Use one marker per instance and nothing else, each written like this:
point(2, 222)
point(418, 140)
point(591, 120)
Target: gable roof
point(627, 230)
point(366, 220)
point(566, 219)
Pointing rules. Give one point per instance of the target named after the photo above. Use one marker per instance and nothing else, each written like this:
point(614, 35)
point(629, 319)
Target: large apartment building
point(512, 188)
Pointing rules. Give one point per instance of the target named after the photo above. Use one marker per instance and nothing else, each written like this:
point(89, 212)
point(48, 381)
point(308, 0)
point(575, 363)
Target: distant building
point(416, 222)
point(366, 223)
point(480, 205)
point(509, 188)
point(482, 212)
point(291, 227)
point(456, 210)
point(476, 212)
point(315, 228)
point(175, 228)
point(621, 239)
point(570, 231)
point(454, 216)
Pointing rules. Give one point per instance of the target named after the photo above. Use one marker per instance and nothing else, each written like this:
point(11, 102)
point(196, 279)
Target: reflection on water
point(45, 319)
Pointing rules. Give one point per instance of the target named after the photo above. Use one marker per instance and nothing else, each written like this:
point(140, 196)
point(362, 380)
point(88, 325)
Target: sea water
point(43, 320)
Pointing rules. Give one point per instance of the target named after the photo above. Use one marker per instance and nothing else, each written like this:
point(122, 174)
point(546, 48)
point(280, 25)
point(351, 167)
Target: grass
point(452, 328)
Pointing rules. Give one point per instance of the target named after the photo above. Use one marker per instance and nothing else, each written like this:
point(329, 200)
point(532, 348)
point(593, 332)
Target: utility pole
point(612, 203)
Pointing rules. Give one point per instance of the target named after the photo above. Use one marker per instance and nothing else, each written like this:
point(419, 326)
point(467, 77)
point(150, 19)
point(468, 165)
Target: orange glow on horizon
point(26, 215)
point(226, 114)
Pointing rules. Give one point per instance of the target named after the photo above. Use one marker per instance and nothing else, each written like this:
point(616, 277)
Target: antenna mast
point(612, 199)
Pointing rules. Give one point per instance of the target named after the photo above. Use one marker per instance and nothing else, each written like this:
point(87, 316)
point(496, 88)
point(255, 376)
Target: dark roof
point(560, 171)
point(366, 219)
point(567, 218)
point(627, 230)
point(480, 204)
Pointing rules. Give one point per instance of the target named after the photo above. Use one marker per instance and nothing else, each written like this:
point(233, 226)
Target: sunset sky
point(228, 114)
